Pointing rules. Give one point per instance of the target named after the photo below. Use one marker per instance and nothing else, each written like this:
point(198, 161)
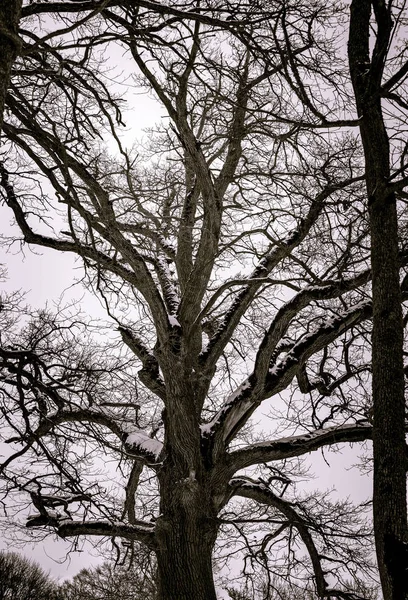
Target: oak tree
point(231, 251)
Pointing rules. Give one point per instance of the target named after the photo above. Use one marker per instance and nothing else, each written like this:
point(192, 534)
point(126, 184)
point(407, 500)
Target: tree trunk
point(184, 559)
point(10, 45)
point(187, 529)
point(389, 495)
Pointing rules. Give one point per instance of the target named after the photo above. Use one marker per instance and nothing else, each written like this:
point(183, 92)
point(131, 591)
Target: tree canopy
point(22, 579)
point(231, 250)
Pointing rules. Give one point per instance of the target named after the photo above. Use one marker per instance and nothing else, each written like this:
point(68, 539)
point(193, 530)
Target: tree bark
point(184, 559)
point(389, 493)
point(10, 44)
point(185, 535)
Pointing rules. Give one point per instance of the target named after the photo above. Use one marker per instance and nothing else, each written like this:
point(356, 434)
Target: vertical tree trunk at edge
point(10, 44)
point(389, 495)
point(389, 498)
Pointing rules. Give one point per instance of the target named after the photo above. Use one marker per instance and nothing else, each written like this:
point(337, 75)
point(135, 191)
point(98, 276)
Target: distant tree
point(111, 582)
point(231, 251)
point(23, 579)
point(275, 590)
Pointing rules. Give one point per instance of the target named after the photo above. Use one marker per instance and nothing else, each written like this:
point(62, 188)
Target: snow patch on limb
point(243, 481)
point(51, 517)
point(169, 290)
point(303, 437)
point(296, 445)
point(173, 321)
point(330, 324)
point(141, 531)
point(234, 408)
point(138, 439)
point(114, 525)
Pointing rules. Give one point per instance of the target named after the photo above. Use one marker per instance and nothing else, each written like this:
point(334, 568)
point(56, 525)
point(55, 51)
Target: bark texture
point(184, 559)
point(389, 496)
point(186, 532)
point(10, 45)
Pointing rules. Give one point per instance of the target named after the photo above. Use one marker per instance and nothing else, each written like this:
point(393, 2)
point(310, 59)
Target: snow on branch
point(239, 407)
point(282, 372)
point(170, 295)
point(142, 532)
point(275, 254)
point(233, 408)
point(65, 526)
point(149, 375)
point(173, 321)
point(139, 440)
point(269, 348)
point(297, 445)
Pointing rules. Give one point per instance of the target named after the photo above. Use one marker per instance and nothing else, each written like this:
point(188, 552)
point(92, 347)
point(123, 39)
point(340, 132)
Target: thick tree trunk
point(10, 44)
point(184, 558)
point(186, 533)
point(186, 530)
point(389, 495)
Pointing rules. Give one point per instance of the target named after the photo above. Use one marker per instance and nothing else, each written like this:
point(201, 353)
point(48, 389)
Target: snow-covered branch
point(297, 445)
point(139, 444)
point(282, 372)
point(136, 442)
point(142, 532)
point(240, 406)
point(149, 375)
point(273, 257)
point(290, 309)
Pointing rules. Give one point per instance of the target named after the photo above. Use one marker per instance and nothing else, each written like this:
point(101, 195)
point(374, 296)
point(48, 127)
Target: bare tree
point(373, 85)
point(277, 591)
point(109, 581)
point(231, 252)
point(22, 579)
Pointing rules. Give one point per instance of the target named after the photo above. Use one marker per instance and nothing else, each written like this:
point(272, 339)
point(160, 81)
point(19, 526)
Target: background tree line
point(23, 579)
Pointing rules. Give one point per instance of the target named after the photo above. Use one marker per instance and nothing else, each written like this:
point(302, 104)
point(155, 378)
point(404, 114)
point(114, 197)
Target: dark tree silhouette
point(10, 44)
point(109, 582)
point(373, 86)
point(231, 251)
point(22, 579)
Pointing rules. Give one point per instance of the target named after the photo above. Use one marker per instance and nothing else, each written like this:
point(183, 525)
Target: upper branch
point(149, 375)
point(268, 379)
point(297, 445)
point(272, 258)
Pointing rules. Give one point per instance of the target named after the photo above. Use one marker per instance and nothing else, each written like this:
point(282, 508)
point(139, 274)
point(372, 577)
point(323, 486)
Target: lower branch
point(259, 492)
point(141, 532)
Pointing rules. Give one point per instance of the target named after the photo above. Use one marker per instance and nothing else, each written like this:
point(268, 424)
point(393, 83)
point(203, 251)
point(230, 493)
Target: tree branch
point(297, 445)
point(261, 493)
